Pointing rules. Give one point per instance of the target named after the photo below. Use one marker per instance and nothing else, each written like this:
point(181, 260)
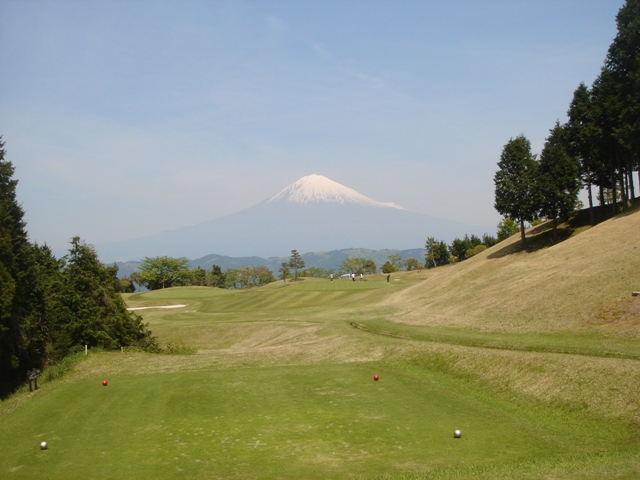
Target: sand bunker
point(165, 306)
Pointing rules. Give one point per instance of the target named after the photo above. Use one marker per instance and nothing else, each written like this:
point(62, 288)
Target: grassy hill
point(535, 356)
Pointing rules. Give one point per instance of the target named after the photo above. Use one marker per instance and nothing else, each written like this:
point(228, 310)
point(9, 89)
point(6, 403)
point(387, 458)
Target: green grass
point(320, 421)
point(534, 356)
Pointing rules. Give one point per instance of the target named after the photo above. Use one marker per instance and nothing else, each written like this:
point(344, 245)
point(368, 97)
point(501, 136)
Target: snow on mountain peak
point(315, 189)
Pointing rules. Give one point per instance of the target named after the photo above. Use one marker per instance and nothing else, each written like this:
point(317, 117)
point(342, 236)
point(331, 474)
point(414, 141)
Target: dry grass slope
point(573, 285)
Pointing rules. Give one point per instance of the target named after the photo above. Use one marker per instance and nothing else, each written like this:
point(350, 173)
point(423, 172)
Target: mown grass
point(534, 356)
point(314, 421)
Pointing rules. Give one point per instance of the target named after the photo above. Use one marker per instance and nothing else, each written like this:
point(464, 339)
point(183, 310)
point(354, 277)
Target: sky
point(129, 118)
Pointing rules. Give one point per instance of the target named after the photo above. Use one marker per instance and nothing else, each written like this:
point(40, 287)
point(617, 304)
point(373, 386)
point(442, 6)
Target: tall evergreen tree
point(515, 194)
point(13, 246)
point(583, 137)
point(557, 178)
point(22, 342)
point(623, 65)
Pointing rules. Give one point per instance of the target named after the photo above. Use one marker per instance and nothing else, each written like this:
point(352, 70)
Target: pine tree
point(296, 263)
point(515, 195)
point(21, 346)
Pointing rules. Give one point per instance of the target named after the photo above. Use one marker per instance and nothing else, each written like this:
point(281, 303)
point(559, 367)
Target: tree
point(387, 267)
point(264, 275)
point(162, 272)
point(198, 277)
point(437, 253)
point(607, 106)
point(582, 138)
point(125, 285)
point(369, 267)
point(316, 272)
point(396, 261)
point(515, 194)
point(358, 266)
point(284, 271)
point(217, 277)
point(135, 278)
point(557, 177)
point(231, 281)
point(622, 65)
point(89, 311)
point(412, 264)
point(489, 240)
point(49, 307)
point(22, 341)
point(506, 228)
point(475, 250)
point(296, 263)
point(459, 247)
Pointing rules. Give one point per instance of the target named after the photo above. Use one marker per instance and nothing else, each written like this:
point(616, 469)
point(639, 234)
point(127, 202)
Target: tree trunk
point(522, 235)
point(623, 189)
point(614, 193)
point(632, 188)
point(592, 219)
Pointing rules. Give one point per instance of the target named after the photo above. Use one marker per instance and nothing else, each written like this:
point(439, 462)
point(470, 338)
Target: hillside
point(573, 285)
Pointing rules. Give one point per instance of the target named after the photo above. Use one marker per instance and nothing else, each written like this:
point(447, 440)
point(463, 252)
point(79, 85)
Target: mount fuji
point(313, 214)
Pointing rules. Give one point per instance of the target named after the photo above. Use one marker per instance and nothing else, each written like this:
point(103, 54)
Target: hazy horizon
point(125, 119)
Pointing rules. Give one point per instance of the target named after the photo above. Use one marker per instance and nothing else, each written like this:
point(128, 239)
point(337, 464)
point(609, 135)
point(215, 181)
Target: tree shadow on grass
point(541, 236)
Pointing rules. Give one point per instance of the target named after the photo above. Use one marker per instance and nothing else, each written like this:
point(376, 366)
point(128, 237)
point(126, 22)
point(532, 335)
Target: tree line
point(598, 147)
point(51, 307)
point(164, 272)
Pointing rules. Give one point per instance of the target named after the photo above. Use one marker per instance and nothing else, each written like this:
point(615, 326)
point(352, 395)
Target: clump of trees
point(358, 266)
point(316, 272)
point(438, 253)
point(598, 147)
point(164, 272)
point(248, 276)
point(395, 263)
point(51, 307)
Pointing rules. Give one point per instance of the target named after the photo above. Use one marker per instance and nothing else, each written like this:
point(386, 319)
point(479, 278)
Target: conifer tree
point(296, 263)
point(515, 195)
point(20, 349)
point(557, 178)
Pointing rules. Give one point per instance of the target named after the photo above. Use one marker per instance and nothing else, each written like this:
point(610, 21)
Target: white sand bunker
point(165, 306)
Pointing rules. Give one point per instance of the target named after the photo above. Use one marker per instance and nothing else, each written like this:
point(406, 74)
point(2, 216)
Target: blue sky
point(127, 118)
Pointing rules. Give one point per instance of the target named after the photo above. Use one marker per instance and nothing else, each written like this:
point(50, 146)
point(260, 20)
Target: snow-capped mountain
point(313, 214)
point(320, 189)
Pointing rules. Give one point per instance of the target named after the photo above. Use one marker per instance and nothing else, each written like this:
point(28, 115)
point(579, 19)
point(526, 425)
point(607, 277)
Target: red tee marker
point(104, 383)
point(376, 378)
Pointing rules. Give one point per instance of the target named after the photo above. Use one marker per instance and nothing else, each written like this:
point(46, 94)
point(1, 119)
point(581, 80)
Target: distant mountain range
point(314, 214)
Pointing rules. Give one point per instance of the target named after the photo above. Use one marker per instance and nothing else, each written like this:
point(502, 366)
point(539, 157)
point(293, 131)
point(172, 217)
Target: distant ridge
point(312, 214)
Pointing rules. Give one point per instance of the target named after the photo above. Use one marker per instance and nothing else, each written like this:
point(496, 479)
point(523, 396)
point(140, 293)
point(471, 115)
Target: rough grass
point(560, 288)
